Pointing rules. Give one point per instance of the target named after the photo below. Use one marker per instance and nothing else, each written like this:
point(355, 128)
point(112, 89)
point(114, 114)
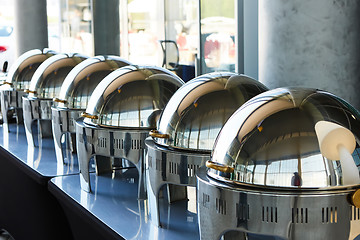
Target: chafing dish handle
point(355, 198)
point(88, 115)
point(29, 91)
point(156, 134)
point(59, 100)
point(218, 167)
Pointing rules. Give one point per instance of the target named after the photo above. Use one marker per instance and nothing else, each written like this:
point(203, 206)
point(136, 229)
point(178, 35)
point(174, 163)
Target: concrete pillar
point(106, 25)
point(311, 43)
point(30, 25)
point(251, 38)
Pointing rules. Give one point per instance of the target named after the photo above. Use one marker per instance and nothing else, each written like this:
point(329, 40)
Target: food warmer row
point(112, 150)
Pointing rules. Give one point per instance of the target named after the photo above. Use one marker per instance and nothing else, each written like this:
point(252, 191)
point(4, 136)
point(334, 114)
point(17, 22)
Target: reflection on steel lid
point(131, 96)
point(49, 76)
point(22, 70)
point(198, 110)
point(271, 141)
point(82, 80)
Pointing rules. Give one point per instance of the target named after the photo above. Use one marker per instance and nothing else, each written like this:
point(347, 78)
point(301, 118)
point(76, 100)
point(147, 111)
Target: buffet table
point(27, 209)
point(43, 200)
point(114, 210)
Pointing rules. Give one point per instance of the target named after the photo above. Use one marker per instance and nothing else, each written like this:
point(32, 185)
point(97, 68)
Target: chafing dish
point(286, 165)
point(73, 98)
point(187, 130)
point(44, 86)
point(18, 79)
point(122, 110)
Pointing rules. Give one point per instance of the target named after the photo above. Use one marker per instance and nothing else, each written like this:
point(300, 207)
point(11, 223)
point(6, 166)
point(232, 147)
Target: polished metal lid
point(131, 96)
point(83, 78)
point(50, 75)
point(198, 110)
point(271, 141)
point(24, 67)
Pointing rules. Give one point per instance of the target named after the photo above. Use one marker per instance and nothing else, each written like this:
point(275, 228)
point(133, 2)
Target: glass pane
point(54, 29)
point(181, 22)
point(70, 28)
point(143, 22)
point(7, 36)
point(218, 29)
point(182, 36)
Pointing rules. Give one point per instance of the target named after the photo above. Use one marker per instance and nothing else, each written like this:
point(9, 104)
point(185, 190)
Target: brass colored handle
point(59, 100)
point(8, 83)
point(218, 167)
point(156, 134)
point(29, 91)
point(87, 115)
point(355, 198)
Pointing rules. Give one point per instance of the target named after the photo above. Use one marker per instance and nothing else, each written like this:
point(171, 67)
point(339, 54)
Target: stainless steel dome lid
point(198, 110)
point(271, 141)
point(24, 67)
point(84, 77)
point(131, 96)
point(49, 76)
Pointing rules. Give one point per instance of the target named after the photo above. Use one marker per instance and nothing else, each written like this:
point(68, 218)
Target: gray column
point(251, 37)
point(311, 43)
point(106, 25)
point(246, 40)
point(240, 36)
point(30, 25)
